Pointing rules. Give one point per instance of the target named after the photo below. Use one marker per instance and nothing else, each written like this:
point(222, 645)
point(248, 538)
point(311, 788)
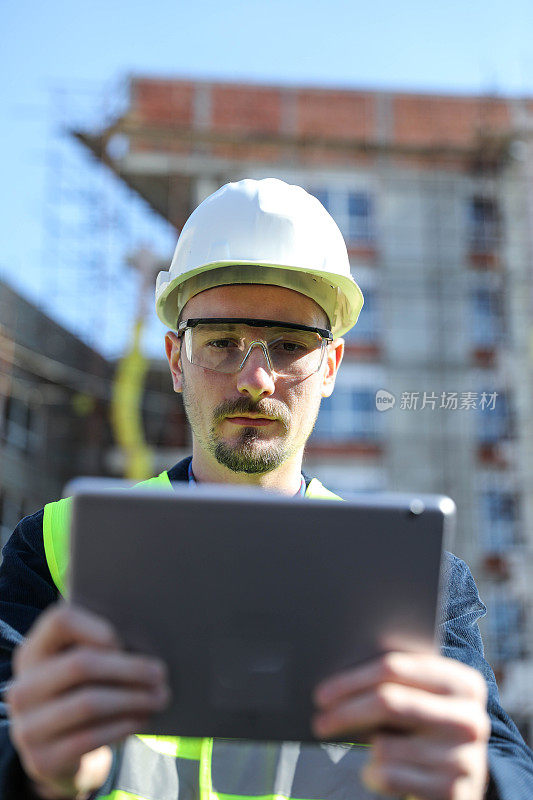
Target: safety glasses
point(224, 344)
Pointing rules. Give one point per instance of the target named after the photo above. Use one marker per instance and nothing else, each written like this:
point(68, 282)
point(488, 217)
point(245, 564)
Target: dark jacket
point(27, 588)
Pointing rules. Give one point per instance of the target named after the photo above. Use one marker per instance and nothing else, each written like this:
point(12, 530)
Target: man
point(258, 296)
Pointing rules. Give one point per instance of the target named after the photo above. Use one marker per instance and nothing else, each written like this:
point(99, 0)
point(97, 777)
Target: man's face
point(221, 408)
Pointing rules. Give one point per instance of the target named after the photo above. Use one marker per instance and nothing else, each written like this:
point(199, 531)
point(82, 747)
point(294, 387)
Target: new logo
point(384, 400)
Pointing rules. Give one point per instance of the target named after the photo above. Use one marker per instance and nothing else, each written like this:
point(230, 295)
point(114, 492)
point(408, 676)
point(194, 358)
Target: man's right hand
point(75, 691)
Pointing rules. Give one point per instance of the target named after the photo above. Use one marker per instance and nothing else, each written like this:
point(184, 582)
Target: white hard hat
point(266, 232)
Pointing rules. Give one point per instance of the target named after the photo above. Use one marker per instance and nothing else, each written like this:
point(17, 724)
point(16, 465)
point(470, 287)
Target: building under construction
point(54, 397)
point(434, 196)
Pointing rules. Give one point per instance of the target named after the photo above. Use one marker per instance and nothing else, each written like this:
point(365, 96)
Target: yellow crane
point(128, 384)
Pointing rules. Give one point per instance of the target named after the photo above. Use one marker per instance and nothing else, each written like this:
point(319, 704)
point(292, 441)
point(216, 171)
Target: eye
point(293, 347)
point(221, 344)
point(289, 346)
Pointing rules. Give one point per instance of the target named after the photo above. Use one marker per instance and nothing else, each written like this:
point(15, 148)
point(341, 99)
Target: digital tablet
point(252, 598)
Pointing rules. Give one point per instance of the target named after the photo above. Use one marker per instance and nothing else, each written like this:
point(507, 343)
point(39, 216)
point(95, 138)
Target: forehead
point(258, 301)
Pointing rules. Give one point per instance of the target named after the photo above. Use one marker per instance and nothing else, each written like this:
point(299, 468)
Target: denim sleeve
point(26, 589)
point(510, 760)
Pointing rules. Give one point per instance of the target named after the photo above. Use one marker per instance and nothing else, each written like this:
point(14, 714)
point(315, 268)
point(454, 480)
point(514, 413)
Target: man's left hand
point(425, 716)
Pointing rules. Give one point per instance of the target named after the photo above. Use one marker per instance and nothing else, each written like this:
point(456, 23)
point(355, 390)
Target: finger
point(405, 709)
point(400, 780)
point(428, 671)
point(82, 665)
point(84, 708)
point(95, 767)
point(59, 628)
point(419, 751)
point(54, 760)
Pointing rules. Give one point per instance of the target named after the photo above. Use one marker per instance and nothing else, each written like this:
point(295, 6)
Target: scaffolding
point(92, 221)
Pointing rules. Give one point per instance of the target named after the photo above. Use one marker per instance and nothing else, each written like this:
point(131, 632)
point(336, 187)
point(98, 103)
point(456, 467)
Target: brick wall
point(308, 114)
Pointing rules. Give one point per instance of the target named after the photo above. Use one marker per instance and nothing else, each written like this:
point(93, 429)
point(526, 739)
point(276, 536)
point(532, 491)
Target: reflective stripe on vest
point(241, 770)
point(181, 768)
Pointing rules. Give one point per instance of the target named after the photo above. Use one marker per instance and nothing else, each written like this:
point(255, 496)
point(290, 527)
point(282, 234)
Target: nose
point(255, 377)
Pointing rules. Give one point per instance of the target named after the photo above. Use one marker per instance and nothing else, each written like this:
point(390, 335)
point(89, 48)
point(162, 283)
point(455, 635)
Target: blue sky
point(481, 47)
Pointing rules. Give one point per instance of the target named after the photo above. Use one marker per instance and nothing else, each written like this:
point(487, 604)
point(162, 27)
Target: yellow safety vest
point(184, 768)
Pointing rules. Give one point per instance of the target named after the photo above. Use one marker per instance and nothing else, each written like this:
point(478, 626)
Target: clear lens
point(223, 347)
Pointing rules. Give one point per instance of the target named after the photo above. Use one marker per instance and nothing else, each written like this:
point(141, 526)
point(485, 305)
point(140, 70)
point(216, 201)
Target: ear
point(173, 351)
point(334, 354)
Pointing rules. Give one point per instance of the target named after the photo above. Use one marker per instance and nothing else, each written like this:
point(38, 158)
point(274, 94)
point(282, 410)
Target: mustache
point(243, 405)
